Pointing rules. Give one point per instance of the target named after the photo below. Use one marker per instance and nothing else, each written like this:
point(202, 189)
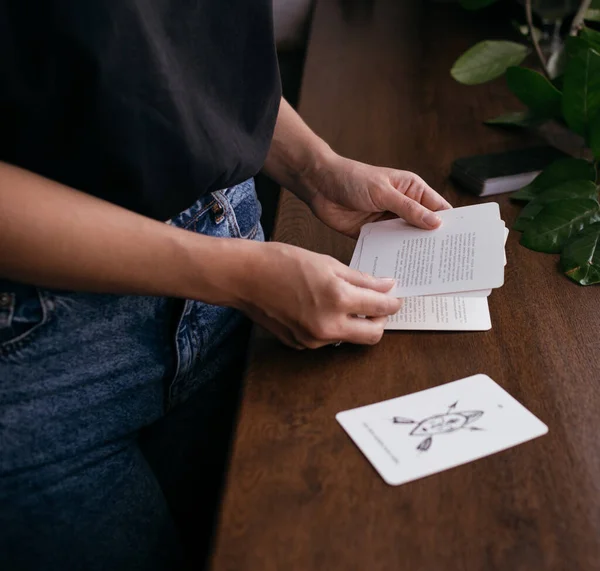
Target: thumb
point(409, 209)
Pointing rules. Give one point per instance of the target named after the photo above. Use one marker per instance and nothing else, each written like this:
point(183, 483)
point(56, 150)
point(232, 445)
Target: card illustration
point(445, 423)
point(397, 435)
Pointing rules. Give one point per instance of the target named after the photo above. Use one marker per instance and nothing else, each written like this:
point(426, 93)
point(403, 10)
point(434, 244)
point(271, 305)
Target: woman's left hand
point(347, 194)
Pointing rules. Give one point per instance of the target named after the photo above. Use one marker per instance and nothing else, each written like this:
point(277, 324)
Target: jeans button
point(218, 212)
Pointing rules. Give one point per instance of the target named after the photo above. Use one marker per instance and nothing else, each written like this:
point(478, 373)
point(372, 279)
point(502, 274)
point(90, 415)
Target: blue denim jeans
point(95, 436)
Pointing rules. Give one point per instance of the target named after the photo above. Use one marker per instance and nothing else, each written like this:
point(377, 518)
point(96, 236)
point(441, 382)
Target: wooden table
point(300, 495)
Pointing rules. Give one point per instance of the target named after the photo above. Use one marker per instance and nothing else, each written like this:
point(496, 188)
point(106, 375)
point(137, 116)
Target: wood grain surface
point(300, 495)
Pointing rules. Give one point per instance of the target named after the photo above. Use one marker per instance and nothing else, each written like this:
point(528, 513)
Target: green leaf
point(515, 119)
point(581, 90)
point(571, 189)
point(593, 14)
point(535, 91)
point(487, 60)
point(560, 171)
point(558, 221)
point(595, 137)
point(476, 4)
point(591, 37)
point(580, 258)
point(526, 194)
point(574, 45)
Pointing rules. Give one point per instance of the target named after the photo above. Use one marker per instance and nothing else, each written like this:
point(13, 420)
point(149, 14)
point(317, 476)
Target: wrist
point(298, 165)
point(310, 179)
point(217, 270)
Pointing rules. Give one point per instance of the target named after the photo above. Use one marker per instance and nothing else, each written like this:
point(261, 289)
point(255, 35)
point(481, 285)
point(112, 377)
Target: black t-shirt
point(146, 103)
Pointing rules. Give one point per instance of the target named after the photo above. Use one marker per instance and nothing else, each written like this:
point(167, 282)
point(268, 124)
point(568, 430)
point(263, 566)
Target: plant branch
point(534, 39)
point(579, 17)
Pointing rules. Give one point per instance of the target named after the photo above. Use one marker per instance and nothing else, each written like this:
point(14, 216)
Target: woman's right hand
point(309, 300)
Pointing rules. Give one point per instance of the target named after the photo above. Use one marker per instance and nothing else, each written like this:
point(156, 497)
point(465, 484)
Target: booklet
point(465, 254)
point(455, 310)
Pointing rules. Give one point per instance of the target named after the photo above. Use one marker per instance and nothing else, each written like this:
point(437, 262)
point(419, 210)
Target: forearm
point(54, 236)
point(296, 154)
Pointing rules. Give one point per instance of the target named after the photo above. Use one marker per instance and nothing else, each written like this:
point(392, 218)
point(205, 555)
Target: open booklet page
point(466, 311)
point(476, 293)
point(448, 260)
point(439, 313)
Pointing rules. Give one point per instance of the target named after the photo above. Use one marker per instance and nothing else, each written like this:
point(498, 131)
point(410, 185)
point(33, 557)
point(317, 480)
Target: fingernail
point(388, 280)
point(431, 220)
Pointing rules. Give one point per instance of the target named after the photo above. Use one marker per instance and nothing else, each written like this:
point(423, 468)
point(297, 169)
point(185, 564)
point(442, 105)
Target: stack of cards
point(445, 275)
point(417, 435)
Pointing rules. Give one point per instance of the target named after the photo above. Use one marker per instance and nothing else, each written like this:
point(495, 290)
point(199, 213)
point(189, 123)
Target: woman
point(130, 131)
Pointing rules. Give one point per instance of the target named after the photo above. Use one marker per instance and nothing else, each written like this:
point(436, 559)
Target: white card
point(423, 433)
point(355, 261)
point(469, 312)
point(357, 250)
point(487, 211)
point(457, 218)
point(454, 258)
point(442, 313)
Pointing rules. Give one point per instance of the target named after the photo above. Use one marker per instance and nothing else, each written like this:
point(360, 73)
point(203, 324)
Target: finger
point(411, 210)
point(413, 186)
point(361, 301)
point(360, 279)
point(364, 331)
